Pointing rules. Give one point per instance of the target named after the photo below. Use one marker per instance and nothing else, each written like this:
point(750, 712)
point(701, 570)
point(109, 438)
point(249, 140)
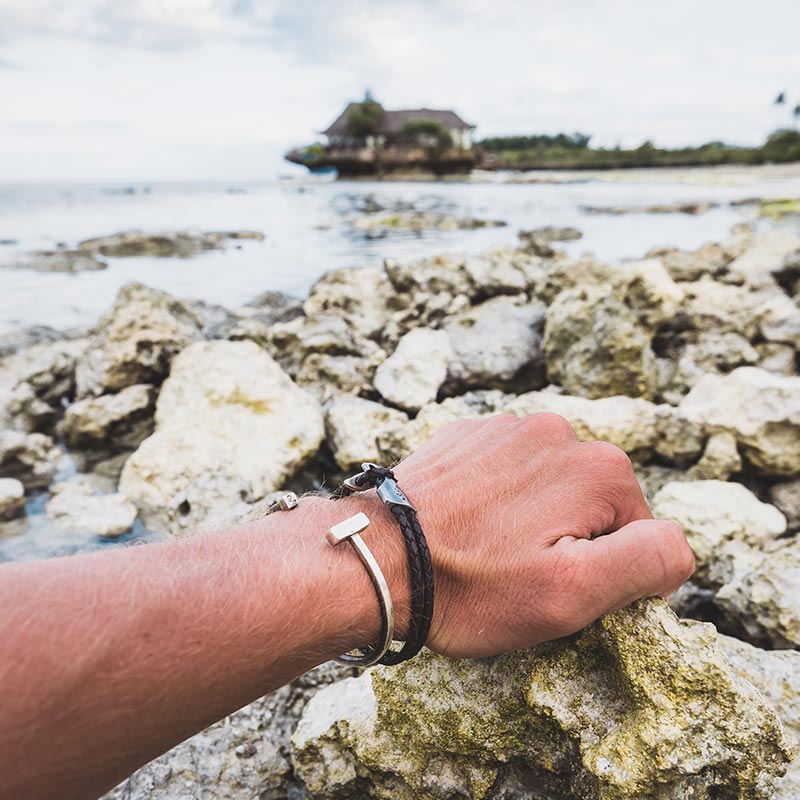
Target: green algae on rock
point(639, 705)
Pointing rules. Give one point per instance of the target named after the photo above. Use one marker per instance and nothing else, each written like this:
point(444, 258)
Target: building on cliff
point(368, 140)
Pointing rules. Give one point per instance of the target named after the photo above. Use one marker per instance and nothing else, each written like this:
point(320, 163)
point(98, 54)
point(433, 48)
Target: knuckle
point(503, 419)
point(547, 423)
point(609, 457)
point(681, 556)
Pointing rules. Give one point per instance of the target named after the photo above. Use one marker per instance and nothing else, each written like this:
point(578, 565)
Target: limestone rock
point(595, 346)
point(722, 308)
point(430, 276)
point(778, 358)
point(414, 373)
point(75, 508)
point(166, 244)
point(378, 226)
point(242, 757)
point(637, 705)
point(327, 333)
point(62, 259)
point(786, 497)
point(780, 320)
point(720, 459)
point(35, 382)
point(29, 457)
point(353, 425)
point(644, 286)
point(135, 341)
point(629, 423)
point(758, 263)
point(761, 409)
point(112, 421)
point(713, 514)
point(776, 674)
point(226, 412)
point(12, 499)
point(710, 259)
point(765, 600)
point(497, 343)
point(710, 353)
point(327, 376)
point(363, 297)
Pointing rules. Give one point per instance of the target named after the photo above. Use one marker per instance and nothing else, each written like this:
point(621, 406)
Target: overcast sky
point(218, 89)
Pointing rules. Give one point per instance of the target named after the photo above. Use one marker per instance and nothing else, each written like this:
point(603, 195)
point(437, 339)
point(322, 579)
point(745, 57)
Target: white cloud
point(217, 88)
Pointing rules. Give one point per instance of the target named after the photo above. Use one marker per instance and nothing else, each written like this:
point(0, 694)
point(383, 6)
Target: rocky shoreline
point(688, 361)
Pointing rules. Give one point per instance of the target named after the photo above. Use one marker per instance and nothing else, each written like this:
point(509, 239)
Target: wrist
point(362, 618)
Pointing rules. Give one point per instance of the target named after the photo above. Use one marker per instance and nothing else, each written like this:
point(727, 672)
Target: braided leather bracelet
point(419, 558)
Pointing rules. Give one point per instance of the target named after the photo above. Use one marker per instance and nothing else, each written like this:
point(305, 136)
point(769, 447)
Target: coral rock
point(638, 705)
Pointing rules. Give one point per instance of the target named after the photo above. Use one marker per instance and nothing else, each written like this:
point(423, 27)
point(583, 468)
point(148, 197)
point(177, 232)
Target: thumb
point(645, 558)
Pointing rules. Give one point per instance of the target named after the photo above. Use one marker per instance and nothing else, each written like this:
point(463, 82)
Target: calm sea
point(308, 231)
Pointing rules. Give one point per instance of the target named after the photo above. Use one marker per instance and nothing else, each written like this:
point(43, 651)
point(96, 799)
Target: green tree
point(363, 119)
point(430, 134)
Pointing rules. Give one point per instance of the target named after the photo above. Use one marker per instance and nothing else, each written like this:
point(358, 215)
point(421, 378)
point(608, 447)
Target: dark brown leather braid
point(419, 565)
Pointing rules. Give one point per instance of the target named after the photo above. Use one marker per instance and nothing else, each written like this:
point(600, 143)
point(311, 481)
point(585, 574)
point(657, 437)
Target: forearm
point(109, 659)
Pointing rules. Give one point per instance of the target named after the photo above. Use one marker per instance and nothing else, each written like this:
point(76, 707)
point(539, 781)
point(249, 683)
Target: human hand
point(513, 511)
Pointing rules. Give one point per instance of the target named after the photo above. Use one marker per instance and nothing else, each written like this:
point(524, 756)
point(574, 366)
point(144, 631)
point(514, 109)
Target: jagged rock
point(419, 221)
point(245, 756)
point(735, 538)
point(719, 461)
point(712, 306)
point(644, 286)
point(167, 244)
point(786, 497)
point(291, 343)
point(226, 412)
point(423, 311)
point(501, 271)
point(633, 424)
point(758, 264)
point(75, 508)
point(780, 320)
point(780, 359)
point(764, 599)
point(711, 352)
point(60, 260)
point(595, 346)
point(35, 382)
point(353, 425)
point(710, 259)
point(416, 370)
point(497, 343)
point(776, 674)
point(430, 276)
point(272, 306)
point(637, 705)
point(12, 499)
point(538, 240)
point(363, 297)
point(327, 376)
point(135, 341)
point(713, 514)
point(761, 409)
point(397, 443)
point(112, 422)
point(29, 457)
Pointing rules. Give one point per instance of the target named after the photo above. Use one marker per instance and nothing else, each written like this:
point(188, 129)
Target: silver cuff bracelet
point(348, 531)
